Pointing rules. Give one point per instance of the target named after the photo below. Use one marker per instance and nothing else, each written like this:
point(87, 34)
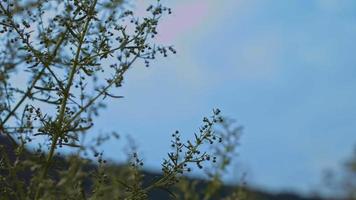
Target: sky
point(285, 70)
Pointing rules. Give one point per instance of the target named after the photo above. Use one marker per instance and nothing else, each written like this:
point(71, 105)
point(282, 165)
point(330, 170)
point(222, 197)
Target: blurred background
point(285, 70)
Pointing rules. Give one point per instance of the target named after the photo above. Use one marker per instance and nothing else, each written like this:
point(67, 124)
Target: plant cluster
point(343, 182)
point(74, 54)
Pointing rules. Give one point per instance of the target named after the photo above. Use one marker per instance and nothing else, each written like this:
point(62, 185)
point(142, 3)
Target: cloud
point(197, 15)
point(186, 17)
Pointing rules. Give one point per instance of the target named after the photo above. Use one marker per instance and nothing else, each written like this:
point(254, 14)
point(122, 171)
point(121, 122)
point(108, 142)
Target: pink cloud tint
point(184, 19)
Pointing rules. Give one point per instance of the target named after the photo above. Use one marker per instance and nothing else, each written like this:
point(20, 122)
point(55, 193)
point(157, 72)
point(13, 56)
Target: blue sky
point(285, 70)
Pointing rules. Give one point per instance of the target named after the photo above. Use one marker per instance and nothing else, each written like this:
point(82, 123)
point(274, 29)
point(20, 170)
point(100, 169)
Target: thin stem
point(19, 103)
point(37, 78)
point(103, 91)
point(66, 93)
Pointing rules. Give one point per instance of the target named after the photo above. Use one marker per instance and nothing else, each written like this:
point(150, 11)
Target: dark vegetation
point(200, 185)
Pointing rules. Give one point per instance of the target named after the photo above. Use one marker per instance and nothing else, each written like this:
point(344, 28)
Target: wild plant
point(59, 62)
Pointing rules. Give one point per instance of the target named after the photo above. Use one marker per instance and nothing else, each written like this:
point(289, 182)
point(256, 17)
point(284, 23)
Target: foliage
point(224, 155)
point(75, 53)
point(343, 183)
